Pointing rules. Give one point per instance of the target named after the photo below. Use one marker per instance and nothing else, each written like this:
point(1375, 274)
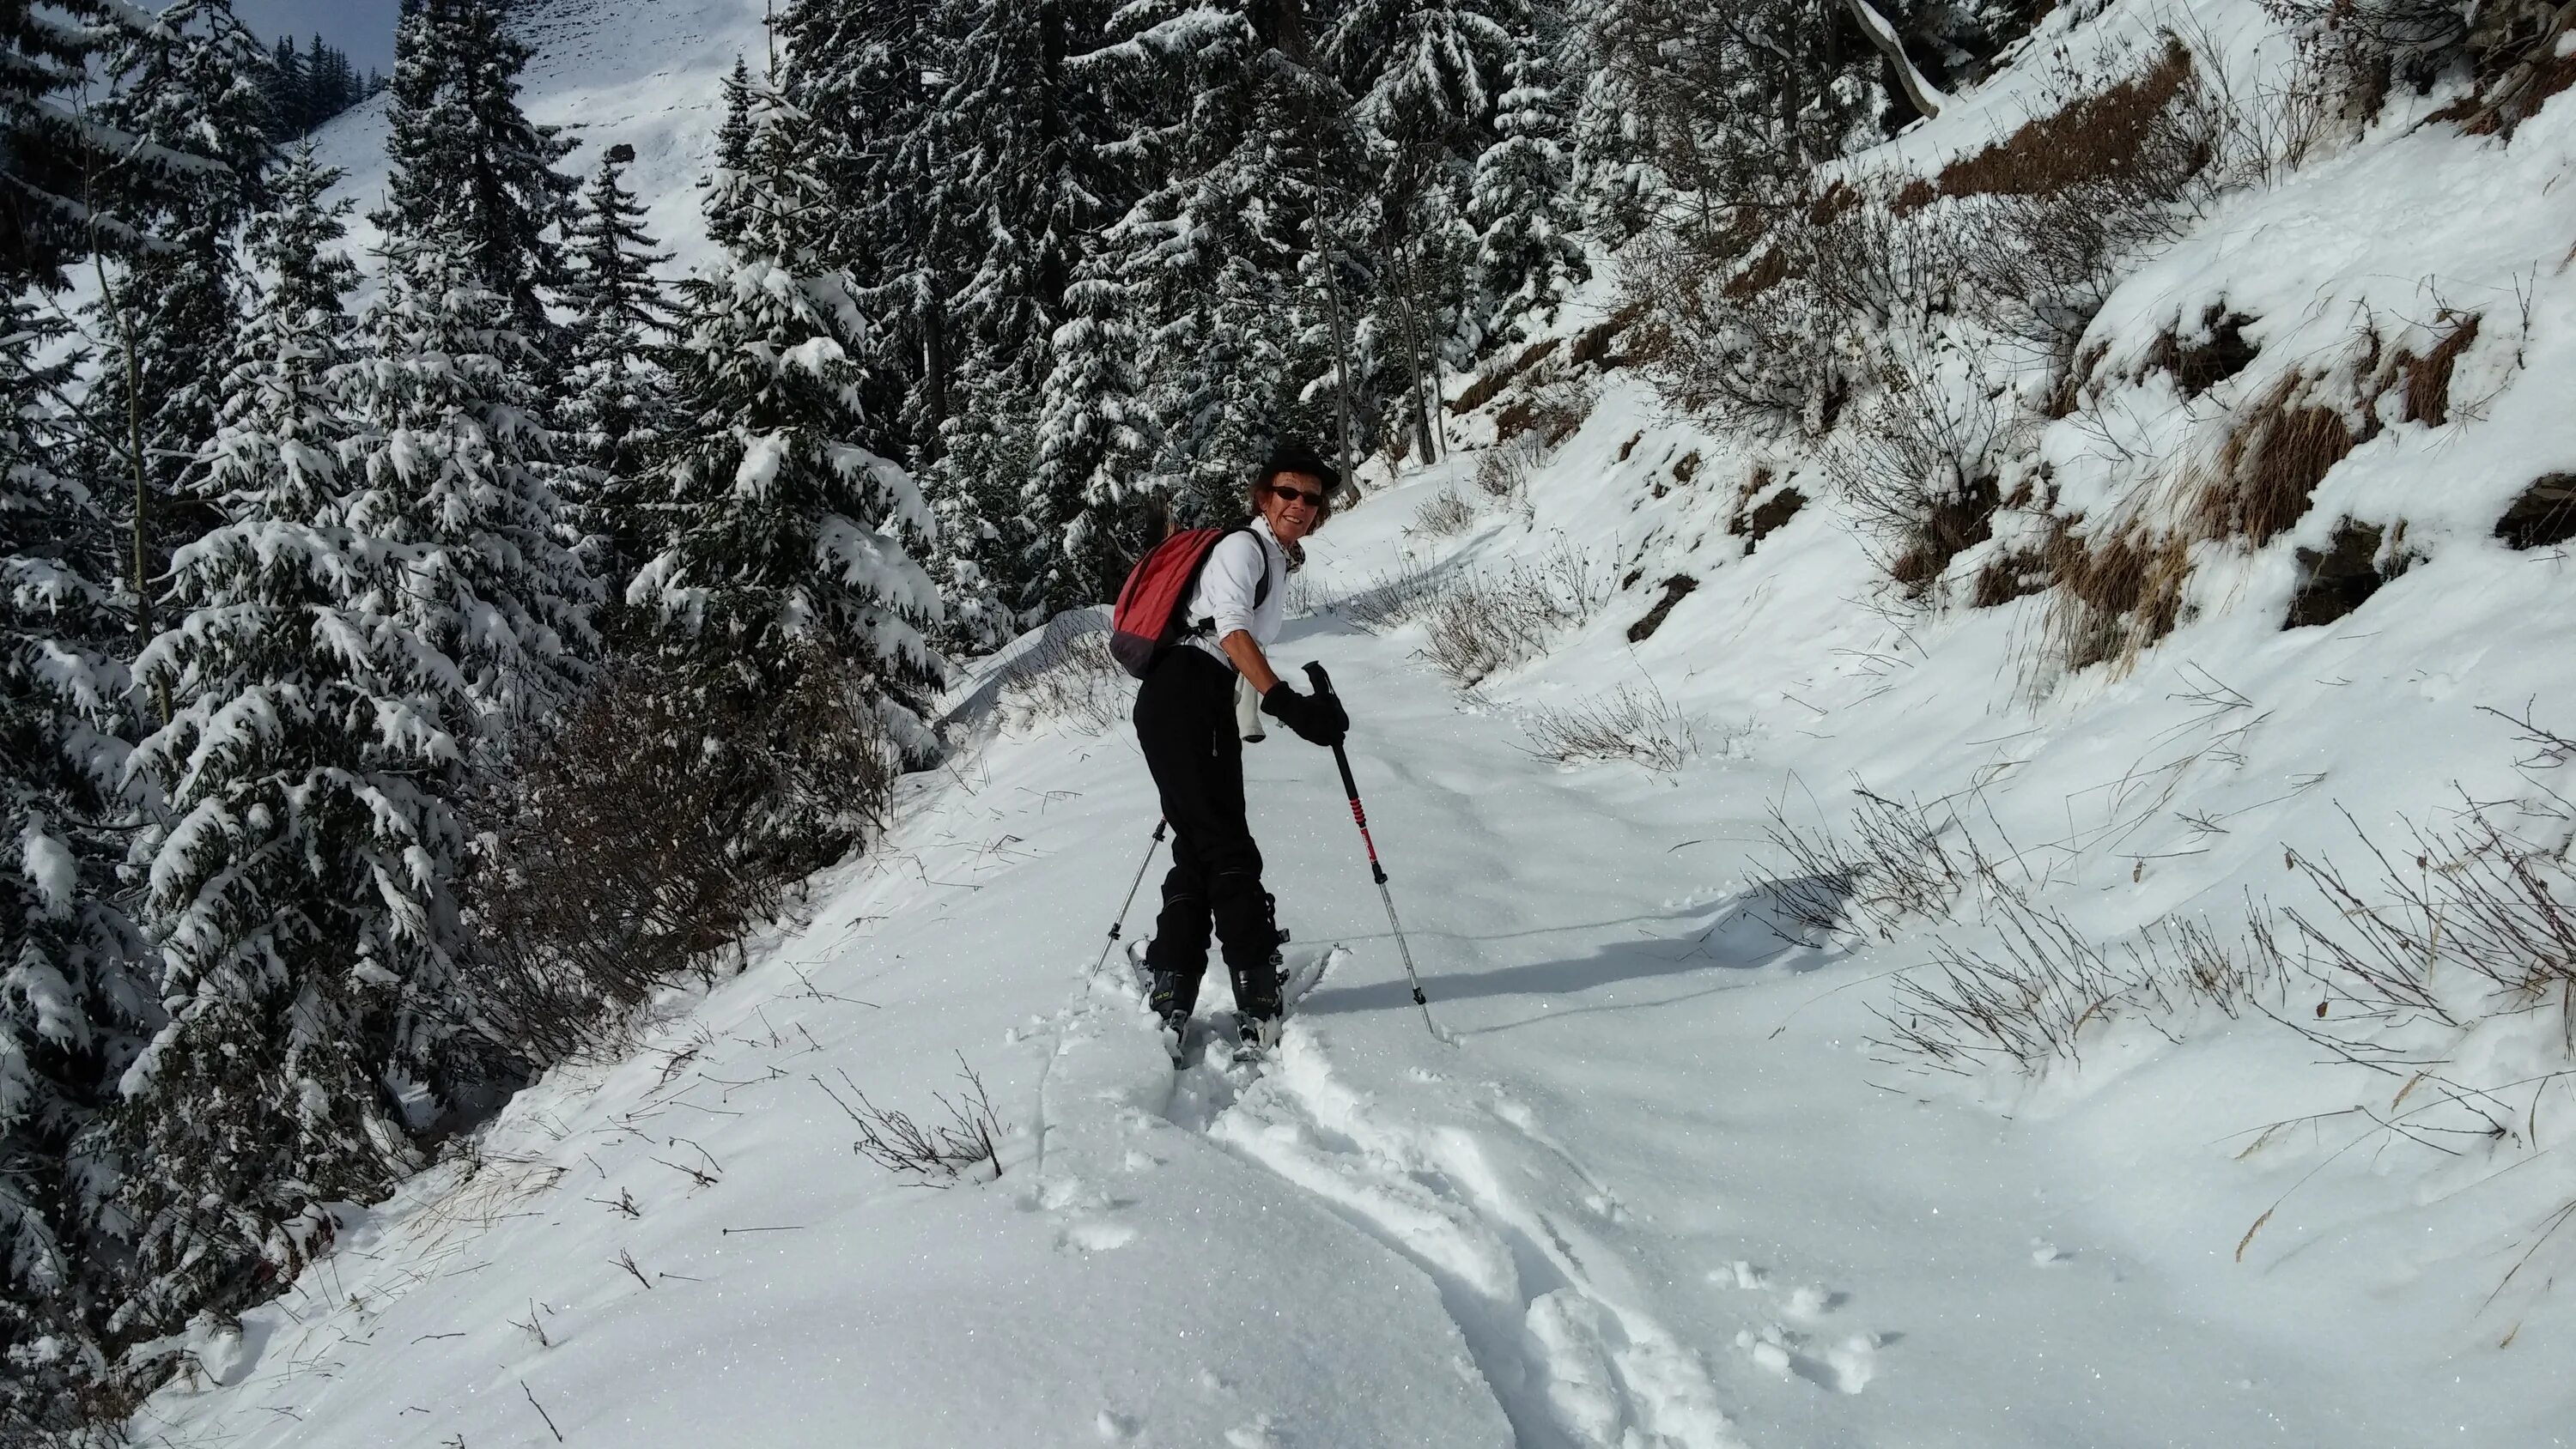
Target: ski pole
point(1119, 926)
point(1359, 815)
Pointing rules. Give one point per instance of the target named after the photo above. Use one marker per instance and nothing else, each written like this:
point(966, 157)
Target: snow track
point(1574, 1363)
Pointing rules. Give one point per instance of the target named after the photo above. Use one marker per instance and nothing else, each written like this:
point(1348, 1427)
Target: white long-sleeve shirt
point(1230, 581)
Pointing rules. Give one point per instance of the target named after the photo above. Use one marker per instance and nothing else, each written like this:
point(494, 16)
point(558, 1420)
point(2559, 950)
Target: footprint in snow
point(1256, 1435)
point(1811, 1301)
point(1738, 1274)
point(1845, 1366)
point(1096, 1235)
point(1114, 1428)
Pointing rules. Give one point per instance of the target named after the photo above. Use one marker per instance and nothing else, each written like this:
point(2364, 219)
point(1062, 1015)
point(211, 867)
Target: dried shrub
point(1676, 589)
point(2102, 135)
point(932, 1152)
point(2514, 49)
point(2268, 469)
point(1758, 362)
point(1442, 516)
point(1627, 724)
point(1483, 624)
point(2024, 999)
point(1687, 468)
point(651, 835)
point(1067, 677)
point(1896, 860)
point(1504, 470)
point(2360, 559)
point(2113, 597)
point(2544, 516)
point(1921, 470)
point(1490, 383)
point(2427, 379)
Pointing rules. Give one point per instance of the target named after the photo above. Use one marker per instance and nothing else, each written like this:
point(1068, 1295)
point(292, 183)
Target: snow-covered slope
point(1666, 1186)
point(648, 75)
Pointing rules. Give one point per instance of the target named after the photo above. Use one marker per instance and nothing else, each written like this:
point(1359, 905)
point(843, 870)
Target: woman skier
point(1186, 722)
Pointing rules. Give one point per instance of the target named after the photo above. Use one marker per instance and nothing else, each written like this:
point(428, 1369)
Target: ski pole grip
point(1315, 673)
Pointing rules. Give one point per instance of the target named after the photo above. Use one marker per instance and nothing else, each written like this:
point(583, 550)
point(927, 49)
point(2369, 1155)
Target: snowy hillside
point(1708, 837)
point(646, 76)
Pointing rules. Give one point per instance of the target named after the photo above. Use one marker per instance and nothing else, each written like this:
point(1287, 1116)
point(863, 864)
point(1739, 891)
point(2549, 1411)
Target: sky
point(363, 28)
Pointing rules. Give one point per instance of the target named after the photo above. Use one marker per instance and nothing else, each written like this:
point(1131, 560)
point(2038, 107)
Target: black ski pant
point(1185, 721)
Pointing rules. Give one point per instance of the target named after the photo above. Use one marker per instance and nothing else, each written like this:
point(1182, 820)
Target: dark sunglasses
point(1286, 494)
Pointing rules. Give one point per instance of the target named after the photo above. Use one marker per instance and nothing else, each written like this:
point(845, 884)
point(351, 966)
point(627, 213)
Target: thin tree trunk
point(1925, 96)
point(1341, 354)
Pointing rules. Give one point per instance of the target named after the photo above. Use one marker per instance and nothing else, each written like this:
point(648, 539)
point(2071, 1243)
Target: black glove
point(1318, 719)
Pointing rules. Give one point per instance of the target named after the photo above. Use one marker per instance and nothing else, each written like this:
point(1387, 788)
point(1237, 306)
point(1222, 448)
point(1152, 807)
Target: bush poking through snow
point(1625, 724)
point(1444, 515)
point(937, 1153)
point(1389, 601)
point(1895, 861)
point(587, 904)
point(1504, 470)
point(1067, 676)
point(1486, 623)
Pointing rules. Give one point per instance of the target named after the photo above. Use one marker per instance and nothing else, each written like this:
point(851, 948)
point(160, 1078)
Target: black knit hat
point(1292, 456)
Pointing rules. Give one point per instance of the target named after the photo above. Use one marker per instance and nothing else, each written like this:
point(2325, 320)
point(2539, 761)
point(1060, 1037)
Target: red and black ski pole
point(1359, 815)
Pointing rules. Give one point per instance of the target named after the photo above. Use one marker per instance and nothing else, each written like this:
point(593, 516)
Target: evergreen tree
point(290, 94)
point(882, 197)
point(618, 397)
point(293, 885)
point(469, 167)
point(1088, 496)
point(786, 545)
point(1528, 257)
point(75, 997)
point(727, 209)
point(49, 154)
point(191, 81)
point(1246, 145)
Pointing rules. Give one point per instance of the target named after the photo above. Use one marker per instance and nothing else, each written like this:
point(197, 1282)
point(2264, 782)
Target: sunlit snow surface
point(1661, 1192)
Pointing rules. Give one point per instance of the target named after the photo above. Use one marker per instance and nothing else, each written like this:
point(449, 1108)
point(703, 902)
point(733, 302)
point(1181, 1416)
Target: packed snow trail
point(1613, 1215)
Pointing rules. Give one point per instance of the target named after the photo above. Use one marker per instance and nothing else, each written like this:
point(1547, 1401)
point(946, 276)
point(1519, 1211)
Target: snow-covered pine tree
point(617, 397)
point(1246, 145)
point(76, 996)
point(1090, 503)
point(297, 877)
point(455, 463)
point(1529, 256)
point(1026, 140)
point(190, 85)
point(50, 153)
point(726, 211)
point(861, 83)
point(468, 164)
point(788, 546)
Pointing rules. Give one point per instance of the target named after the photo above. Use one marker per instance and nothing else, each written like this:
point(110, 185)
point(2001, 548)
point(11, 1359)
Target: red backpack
point(1148, 616)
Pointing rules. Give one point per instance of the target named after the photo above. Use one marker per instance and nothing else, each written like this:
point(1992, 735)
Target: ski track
point(1572, 1362)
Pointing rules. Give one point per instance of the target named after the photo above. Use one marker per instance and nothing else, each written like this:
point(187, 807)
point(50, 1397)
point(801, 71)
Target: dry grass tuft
point(1490, 383)
point(2428, 378)
point(1626, 724)
point(2277, 453)
point(1444, 515)
point(2111, 598)
point(2098, 136)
